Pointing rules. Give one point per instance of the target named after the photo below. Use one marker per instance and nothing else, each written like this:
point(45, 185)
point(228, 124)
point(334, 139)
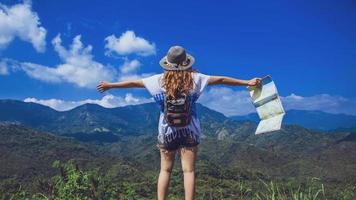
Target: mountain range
point(88, 121)
point(33, 135)
point(312, 119)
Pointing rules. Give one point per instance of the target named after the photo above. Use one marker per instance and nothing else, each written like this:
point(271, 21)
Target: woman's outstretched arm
point(103, 85)
point(215, 80)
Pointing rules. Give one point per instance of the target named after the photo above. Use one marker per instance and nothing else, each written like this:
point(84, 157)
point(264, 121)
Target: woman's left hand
point(254, 82)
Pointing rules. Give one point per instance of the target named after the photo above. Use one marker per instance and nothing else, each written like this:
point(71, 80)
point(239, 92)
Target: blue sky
point(53, 52)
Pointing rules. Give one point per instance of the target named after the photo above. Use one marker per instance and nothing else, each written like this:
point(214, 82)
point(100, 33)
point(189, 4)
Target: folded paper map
point(268, 105)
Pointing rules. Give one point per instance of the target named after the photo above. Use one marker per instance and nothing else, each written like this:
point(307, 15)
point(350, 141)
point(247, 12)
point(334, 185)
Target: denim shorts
point(178, 140)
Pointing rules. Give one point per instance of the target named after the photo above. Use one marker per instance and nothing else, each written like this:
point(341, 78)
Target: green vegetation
point(72, 183)
point(123, 163)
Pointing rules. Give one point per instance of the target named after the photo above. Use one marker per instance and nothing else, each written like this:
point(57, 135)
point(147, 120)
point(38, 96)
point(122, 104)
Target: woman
point(178, 78)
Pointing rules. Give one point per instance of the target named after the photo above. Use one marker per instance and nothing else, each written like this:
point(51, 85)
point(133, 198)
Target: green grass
point(72, 183)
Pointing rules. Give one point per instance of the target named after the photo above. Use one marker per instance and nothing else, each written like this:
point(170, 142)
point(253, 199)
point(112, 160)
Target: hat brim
point(163, 62)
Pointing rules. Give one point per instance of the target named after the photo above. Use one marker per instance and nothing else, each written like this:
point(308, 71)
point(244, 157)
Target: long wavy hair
point(180, 81)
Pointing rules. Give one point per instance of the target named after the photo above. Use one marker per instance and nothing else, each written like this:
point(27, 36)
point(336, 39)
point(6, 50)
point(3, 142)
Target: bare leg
point(188, 158)
point(167, 162)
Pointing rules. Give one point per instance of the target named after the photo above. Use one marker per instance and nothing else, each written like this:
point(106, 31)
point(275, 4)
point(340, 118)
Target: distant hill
point(87, 118)
point(27, 156)
point(291, 152)
point(316, 120)
point(91, 122)
point(229, 149)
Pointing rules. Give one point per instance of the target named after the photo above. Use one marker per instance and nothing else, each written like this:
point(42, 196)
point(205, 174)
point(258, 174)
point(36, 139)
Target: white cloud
point(126, 77)
point(227, 101)
point(41, 72)
point(129, 43)
point(20, 21)
point(323, 102)
point(222, 99)
point(130, 66)
point(129, 71)
point(78, 66)
point(8, 65)
point(108, 101)
point(232, 102)
point(3, 68)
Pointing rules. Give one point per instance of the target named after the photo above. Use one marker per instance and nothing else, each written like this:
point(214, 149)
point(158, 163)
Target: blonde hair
point(180, 81)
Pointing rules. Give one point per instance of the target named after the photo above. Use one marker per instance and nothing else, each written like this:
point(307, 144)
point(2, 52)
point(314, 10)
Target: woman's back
point(167, 133)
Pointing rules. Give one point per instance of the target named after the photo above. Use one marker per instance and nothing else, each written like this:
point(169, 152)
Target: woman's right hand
point(103, 86)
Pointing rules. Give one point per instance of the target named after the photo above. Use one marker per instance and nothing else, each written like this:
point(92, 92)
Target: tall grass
point(312, 190)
